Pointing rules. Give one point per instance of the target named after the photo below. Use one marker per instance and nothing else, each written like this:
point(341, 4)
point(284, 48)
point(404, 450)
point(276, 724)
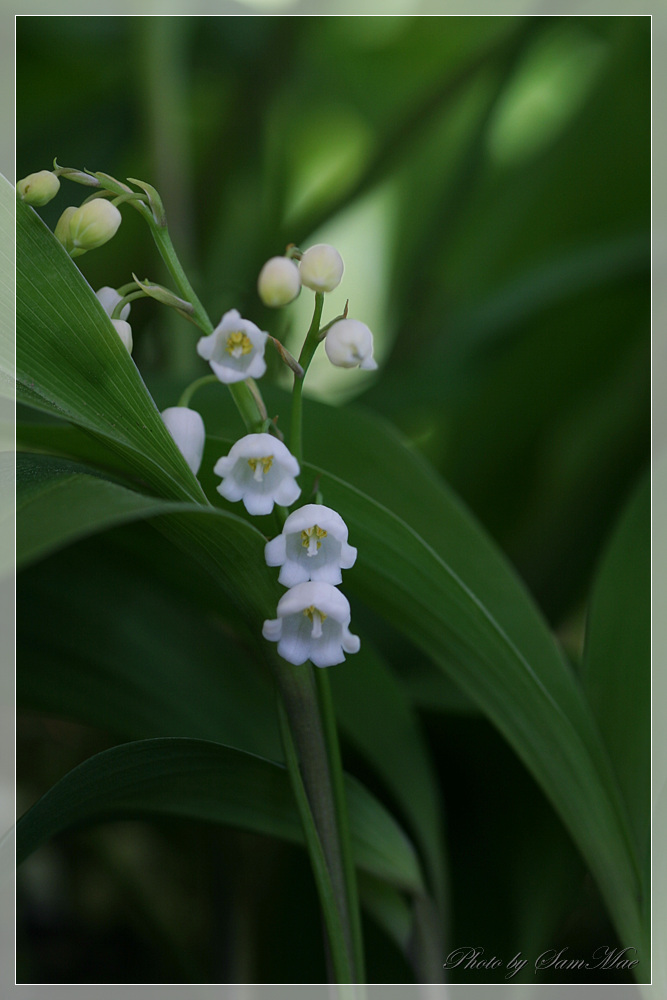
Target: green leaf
point(207, 781)
point(7, 199)
point(134, 654)
point(71, 362)
point(427, 567)
point(617, 662)
point(377, 719)
point(59, 502)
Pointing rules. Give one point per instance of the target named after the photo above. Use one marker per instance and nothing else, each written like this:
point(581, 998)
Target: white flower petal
point(272, 629)
point(274, 551)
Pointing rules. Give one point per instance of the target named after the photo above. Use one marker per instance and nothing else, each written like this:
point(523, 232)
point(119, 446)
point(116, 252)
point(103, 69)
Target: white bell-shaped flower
point(187, 429)
point(109, 299)
point(279, 282)
point(259, 470)
point(312, 624)
point(124, 331)
point(313, 546)
point(349, 344)
point(321, 268)
point(235, 349)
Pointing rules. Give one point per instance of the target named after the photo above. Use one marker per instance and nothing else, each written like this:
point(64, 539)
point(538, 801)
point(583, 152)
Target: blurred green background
point(487, 181)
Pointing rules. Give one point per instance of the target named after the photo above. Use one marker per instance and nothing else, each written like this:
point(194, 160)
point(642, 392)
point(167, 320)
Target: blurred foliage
point(487, 180)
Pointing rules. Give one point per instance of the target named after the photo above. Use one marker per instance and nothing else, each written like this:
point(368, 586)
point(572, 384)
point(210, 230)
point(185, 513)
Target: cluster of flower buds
point(349, 342)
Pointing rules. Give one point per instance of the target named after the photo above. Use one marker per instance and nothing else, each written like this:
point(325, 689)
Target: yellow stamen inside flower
point(238, 344)
point(310, 539)
point(317, 617)
point(260, 465)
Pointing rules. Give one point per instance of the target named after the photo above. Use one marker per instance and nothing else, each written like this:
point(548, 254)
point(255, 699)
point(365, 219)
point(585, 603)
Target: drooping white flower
point(124, 331)
point(349, 343)
point(187, 429)
point(312, 624)
point(279, 282)
point(261, 471)
point(313, 546)
point(321, 268)
point(109, 299)
point(235, 349)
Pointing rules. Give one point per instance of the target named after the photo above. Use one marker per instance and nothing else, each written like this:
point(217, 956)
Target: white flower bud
point(124, 331)
point(109, 299)
point(349, 343)
point(187, 429)
point(279, 282)
point(38, 189)
point(321, 268)
point(93, 224)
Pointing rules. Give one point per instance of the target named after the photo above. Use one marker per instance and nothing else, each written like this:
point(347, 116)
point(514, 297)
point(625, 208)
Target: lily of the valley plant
point(261, 470)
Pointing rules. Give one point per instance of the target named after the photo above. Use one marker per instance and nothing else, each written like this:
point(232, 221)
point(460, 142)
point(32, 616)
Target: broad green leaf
point(617, 661)
point(120, 648)
point(527, 692)
point(71, 362)
point(377, 720)
point(207, 781)
point(59, 502)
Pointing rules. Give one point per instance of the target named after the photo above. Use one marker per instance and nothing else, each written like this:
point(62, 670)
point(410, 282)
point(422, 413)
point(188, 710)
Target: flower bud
point(109, 299)
point(62, 230)
point(187, 429)
point(93, 224)
point(349, 343)
point(124, 331)
point(321, 268)
point(279, 282)
point(38, 189)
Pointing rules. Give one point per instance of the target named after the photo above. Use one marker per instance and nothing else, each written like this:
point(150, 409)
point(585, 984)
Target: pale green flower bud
point(279, 282)
point(321, 268)
point(93, 224)
point(38, 189)
point(62, 230)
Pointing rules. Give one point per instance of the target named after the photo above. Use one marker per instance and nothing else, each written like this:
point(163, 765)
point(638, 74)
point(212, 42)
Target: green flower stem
point(306, 356)
point(338, 948)
point(189, 392)
point(241, 393)
point(307, 698)
point(328, 717)
point(123, 302)
point(309, 763)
